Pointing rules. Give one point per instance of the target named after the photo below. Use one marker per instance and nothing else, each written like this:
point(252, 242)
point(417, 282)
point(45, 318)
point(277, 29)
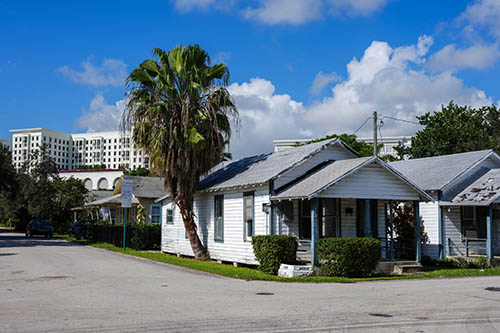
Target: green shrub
point(146, 237)
point(273, 250)
point(350, 257)
point(482, 262)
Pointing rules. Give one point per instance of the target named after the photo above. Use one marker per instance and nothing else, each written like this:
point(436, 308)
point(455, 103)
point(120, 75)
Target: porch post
point(392, 231)
point(271, 219)
point(314, 231)
point(418, 248)
point(368, 215)
point(489, 233)
point(271, 209)
point(441, 247)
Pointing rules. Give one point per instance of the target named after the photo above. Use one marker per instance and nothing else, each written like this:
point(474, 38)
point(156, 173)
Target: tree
point(362, 148)
point(180, 111)
point(455, 129)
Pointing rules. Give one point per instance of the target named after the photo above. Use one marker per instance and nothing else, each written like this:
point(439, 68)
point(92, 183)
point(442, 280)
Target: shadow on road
point(18, 240)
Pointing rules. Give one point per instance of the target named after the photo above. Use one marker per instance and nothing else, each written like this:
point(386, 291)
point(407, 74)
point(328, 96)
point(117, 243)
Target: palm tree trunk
point(186, 210)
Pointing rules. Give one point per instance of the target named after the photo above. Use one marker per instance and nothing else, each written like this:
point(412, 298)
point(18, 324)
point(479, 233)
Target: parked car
point(37, 227)
point(78, 229)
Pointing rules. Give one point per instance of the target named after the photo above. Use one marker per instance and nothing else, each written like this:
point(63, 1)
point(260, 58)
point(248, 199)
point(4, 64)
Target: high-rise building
point(71, 151)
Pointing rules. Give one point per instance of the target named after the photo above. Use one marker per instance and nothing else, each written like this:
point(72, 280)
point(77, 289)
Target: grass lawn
point(253, 274)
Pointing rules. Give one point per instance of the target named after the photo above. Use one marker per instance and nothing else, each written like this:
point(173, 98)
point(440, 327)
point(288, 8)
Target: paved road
point(52, 285)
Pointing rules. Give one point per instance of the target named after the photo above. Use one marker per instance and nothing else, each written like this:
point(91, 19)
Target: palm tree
point(180, 112)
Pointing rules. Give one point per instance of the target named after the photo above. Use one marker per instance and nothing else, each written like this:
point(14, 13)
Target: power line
point(398, 119)
point(363, 124)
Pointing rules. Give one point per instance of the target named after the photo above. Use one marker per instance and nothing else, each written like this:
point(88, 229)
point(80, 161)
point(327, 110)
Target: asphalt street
point(49, 285)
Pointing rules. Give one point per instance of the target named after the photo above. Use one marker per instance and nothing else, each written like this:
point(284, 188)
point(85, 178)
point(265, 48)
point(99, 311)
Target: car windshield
point(43, 224)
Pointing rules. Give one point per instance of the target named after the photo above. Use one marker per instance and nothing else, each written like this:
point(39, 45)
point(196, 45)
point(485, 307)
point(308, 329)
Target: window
point(248, 214)
point(155, 214)
point(170, 216)
point(219, 218)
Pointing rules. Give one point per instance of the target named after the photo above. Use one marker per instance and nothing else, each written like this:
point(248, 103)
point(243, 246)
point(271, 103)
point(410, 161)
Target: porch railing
point(468, 243)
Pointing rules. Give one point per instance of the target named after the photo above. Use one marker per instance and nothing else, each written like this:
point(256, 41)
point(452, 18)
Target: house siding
point(234, 247)
point(334, 152)
point(452, 233)
point(347, 222)
point(371, 182)
point(429, 213)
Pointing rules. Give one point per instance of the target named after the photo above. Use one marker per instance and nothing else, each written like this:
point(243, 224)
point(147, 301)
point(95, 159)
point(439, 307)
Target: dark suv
point(37, 227)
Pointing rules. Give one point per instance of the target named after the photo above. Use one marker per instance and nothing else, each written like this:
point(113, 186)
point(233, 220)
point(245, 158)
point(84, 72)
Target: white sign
point(127, 192)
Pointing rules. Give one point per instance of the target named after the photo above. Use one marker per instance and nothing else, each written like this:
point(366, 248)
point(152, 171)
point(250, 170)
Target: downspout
point(271, 210)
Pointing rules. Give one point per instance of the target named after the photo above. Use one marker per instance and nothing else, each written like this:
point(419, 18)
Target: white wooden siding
point(335, 152)
point(234, 247)
point(429, 213)
point(347, 222)
point(451, 218)
point(372, 182)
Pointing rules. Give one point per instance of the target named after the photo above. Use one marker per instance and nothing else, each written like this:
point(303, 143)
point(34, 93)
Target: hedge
point(273, 250)
point(138, 236)
point(349, 257)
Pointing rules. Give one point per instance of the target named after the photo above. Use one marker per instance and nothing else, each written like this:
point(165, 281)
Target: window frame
point(171, 216)
point(246, 237)
point(216, 231)
point(151, 214)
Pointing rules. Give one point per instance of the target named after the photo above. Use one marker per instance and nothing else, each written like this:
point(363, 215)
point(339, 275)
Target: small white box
point(295, 270)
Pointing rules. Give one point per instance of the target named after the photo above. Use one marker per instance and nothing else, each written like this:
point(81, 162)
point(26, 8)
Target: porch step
point(407, 268)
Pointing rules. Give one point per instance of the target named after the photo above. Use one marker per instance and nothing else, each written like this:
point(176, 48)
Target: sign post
point(126, 195)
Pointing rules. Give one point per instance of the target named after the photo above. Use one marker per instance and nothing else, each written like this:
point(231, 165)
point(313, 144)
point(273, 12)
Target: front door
point(328, 218)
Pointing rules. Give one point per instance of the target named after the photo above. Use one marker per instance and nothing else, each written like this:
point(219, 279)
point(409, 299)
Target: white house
point(318, 190)
point(465, 216)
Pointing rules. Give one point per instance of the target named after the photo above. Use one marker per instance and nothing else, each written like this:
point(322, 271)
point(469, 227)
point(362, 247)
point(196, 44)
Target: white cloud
point(453, 59)
point(356, 7)
point(321, 80)
point(101, 116)
point(265, 116)
point(285, 11)
point(394, 83)
point(188, 5)
point(112, 72)
point(482, 14)
point(222, 57)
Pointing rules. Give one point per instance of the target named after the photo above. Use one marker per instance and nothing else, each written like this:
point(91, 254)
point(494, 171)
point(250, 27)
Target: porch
point(469, 230)
point(347, 198)
point(311, 220)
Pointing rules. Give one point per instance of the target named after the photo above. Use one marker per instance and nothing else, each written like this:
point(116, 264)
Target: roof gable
point(435, 173)
point(482, 192)
point(333, 173)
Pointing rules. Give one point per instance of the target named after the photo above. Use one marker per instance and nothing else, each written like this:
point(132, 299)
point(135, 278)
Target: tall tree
point(455, 129)
point(180, 112)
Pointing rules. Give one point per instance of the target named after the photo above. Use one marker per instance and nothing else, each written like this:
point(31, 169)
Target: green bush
point(350, 257)
point(146, 237)
point(482, 262)
point(273, 250)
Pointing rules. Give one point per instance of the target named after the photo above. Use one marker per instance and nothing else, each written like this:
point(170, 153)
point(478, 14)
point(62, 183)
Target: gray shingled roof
point(434, 173)
point(115, 200)
point(262, 168)
point(482, 192)
point(147, 187)
point(322, 178)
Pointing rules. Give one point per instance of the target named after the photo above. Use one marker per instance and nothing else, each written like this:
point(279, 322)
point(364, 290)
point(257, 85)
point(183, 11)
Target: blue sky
point(299, 68)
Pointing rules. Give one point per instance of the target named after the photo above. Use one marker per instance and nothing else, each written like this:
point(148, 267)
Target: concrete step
point(407, 269)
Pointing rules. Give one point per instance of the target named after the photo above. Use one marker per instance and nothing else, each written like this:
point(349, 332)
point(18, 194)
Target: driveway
point(52, 285)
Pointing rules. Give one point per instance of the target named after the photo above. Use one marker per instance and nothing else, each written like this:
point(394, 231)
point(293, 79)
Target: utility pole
point(374, 133)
